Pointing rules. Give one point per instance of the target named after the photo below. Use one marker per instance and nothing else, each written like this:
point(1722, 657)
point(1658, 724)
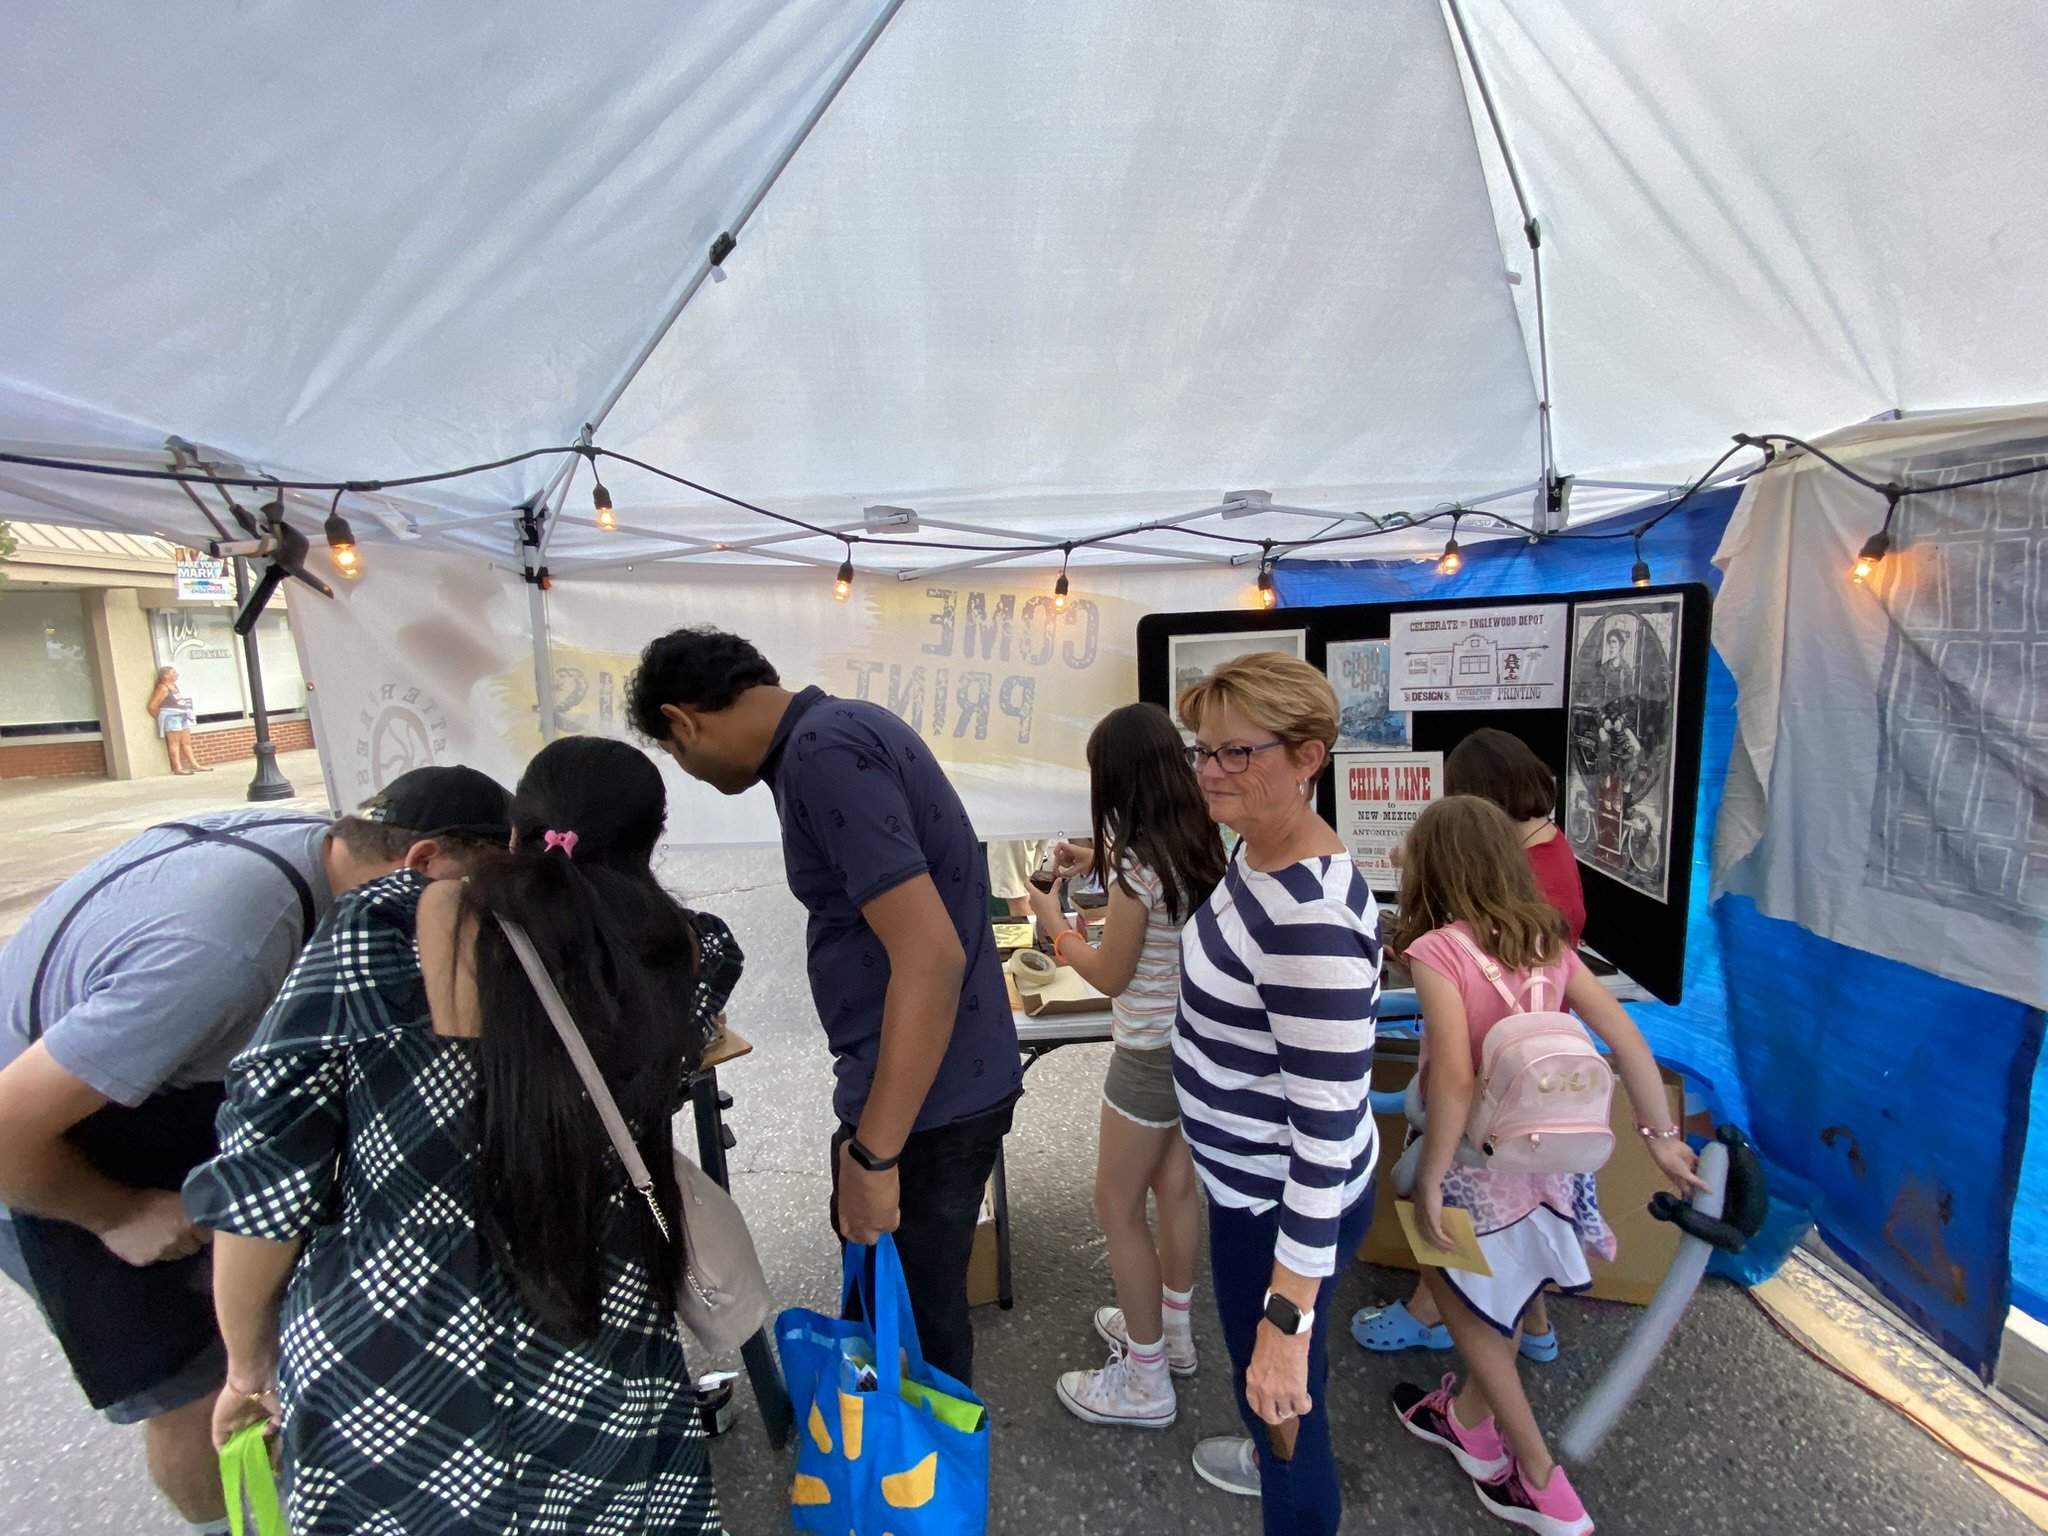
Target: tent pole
point(722, 247)
point(1532, 231)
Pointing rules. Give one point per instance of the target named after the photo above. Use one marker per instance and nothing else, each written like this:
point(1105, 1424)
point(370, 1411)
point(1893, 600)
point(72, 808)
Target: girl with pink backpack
point(1516, 1126)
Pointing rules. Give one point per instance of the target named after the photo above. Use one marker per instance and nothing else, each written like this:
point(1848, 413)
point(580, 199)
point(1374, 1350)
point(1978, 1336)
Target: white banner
point(1888, 787)
point(1003, 684)
point(427, 658)
point(1479, 658)
point(1379, 795)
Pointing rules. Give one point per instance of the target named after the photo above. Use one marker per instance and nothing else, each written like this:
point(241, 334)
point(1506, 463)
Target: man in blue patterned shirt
point(903, 965)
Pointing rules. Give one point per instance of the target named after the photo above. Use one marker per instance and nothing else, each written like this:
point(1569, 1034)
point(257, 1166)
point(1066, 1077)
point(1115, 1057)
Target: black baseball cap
point(432, 801)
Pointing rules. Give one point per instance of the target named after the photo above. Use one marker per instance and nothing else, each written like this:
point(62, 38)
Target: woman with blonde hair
point(1280, 974)
point(172, 712)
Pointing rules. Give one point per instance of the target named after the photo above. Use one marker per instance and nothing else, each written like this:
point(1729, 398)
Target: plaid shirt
point(420, 1394)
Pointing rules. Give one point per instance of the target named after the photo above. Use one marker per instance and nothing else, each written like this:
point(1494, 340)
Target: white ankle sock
point(1148, 1362)
point(1174, 1311)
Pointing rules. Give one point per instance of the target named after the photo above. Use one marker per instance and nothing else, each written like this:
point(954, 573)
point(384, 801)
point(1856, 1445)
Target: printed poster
point(1190, 658)
point(1479, 658)
point(1361, 673)
point(203, 579)
point(1379, 795)
point(1620, 752)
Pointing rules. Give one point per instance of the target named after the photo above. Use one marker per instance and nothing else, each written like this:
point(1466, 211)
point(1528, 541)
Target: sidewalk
point(55, 827)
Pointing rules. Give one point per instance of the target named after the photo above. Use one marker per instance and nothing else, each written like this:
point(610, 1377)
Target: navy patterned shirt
point(865, 806)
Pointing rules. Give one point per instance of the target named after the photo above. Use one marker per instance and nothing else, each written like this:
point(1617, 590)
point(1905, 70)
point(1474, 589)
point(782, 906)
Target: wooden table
point(714, 1139)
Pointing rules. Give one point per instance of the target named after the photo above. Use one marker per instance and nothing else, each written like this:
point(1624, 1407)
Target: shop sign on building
point(203, 579)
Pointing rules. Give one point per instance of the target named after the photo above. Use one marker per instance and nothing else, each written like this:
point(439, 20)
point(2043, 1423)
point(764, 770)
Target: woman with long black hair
point(1159, 856)
point(429, 1267)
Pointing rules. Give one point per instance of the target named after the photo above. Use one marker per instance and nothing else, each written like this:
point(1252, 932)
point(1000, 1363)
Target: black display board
point(1643, 936)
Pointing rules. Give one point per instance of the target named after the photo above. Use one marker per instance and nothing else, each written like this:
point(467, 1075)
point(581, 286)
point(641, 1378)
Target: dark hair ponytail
point(626, 959)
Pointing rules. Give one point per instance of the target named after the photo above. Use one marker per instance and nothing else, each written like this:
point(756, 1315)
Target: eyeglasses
point(1229, 759)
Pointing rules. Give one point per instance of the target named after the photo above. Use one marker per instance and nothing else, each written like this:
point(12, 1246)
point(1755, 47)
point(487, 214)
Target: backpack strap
point(1490, 968)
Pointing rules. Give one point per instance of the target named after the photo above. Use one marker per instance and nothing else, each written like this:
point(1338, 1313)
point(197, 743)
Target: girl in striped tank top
point(1161, 857)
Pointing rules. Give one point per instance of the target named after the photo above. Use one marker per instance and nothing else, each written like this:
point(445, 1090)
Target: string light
point(1640, 575)
point(341, 542)
point(600, 498)
point(1879, 544)
point(1451, 562)
point(1267, 596)
point(1059, 588)
point(842, 585)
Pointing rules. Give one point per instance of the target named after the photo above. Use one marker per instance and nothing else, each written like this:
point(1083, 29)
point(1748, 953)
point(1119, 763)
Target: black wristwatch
point(1285, 1316)
point(868, 1160)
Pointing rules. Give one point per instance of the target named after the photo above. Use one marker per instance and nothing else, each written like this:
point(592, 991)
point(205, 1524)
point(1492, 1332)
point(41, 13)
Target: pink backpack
point(1544, 1093)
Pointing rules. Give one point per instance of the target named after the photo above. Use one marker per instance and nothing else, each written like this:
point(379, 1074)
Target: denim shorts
point(1139, 1086)
point(202, 1377)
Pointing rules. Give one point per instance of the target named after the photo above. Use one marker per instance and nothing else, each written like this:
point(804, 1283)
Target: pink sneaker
point(1554, 1510)
point(1427, 1416)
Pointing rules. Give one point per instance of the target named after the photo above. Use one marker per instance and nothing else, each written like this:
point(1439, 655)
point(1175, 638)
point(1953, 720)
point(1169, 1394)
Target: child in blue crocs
point(1417, 1324)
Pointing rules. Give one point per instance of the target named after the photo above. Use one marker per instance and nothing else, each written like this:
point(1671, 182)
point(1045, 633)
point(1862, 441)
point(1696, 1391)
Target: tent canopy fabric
point(1047, 269)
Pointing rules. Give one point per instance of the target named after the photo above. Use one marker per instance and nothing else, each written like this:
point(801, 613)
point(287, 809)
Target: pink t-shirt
point(1485, 1007)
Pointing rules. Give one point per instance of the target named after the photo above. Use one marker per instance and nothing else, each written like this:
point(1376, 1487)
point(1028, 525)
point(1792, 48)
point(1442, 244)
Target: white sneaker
point(1180, 1353)
point(1120, 1393)
point(1228, 1462)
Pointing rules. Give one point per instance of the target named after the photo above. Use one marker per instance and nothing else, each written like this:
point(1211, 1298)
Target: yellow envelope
point(1464, 1250)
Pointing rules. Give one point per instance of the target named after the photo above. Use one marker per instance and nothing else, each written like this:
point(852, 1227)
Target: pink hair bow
point(566, 841)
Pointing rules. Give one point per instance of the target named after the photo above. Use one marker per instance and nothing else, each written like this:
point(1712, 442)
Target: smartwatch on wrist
point(868, 1160)
point(1285, 1316)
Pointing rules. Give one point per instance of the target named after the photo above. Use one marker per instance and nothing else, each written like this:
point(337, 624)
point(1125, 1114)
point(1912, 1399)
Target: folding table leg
point(766, 1377)
point(1005, 1297)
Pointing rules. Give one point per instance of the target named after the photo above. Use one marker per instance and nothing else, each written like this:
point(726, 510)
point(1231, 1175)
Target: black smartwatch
point(868, 1160)
point(1285, 1316)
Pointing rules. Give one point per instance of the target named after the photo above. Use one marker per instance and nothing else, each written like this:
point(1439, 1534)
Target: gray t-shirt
point(166, 970)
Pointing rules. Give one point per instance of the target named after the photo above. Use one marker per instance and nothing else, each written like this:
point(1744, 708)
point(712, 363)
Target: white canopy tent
point(1052, 268)
point(1036, 272)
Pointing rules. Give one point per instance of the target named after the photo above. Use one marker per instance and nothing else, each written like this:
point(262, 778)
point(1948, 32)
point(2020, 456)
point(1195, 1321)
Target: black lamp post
point(269, 783)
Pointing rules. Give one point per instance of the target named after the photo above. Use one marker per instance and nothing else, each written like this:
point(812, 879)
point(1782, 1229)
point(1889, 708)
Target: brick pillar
point(124, 671)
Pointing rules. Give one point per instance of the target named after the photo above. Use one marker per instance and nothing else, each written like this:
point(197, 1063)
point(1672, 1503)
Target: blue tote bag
point(886, 1445)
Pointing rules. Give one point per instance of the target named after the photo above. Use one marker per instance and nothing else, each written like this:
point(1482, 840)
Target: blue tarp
point(1889, 1102)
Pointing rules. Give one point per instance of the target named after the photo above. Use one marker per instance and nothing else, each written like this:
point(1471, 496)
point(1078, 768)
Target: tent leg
point(543, 660)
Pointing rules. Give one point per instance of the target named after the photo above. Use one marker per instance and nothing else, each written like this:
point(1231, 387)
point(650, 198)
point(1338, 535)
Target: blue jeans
point(1299, 1497)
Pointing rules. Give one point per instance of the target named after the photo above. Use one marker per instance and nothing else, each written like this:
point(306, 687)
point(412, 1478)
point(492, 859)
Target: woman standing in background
point(172, 712)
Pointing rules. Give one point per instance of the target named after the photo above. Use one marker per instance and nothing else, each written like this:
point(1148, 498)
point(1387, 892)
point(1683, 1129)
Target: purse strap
point(586, 1068)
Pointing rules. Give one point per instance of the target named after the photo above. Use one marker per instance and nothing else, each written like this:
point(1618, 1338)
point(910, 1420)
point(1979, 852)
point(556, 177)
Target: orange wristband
point(1065, 934)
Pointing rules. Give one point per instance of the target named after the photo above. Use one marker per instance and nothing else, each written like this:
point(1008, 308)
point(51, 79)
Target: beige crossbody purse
point(722, 1297)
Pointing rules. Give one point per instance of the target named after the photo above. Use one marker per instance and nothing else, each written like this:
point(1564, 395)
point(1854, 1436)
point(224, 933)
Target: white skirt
point(1543, 1248)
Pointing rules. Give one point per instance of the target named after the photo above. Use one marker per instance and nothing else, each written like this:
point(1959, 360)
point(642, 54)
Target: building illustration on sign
point(1474, 661)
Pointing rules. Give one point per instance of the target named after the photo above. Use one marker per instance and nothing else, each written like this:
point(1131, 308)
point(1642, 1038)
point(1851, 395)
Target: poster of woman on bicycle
point(1618, 773)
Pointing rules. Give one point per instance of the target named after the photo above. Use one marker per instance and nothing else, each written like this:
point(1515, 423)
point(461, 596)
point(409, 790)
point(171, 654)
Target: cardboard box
point(1626, 1185)
point(981, 1263)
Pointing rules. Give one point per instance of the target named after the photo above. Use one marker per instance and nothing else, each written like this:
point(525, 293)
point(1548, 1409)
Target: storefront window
point(45, 664)
point(202, 644)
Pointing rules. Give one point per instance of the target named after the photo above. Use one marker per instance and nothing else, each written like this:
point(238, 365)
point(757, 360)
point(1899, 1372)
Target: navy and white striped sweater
point(1272, 1048)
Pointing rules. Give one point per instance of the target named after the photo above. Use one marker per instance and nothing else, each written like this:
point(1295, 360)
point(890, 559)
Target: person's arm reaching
point(926, 966)
point(1637, 1069)
point(1107, 968)
point(43, 1173)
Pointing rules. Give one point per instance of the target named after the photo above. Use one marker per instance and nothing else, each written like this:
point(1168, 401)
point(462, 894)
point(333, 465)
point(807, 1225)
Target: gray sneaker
point(1228, 1462)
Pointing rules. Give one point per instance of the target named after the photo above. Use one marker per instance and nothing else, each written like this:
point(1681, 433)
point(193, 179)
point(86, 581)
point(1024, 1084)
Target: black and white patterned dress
point(421, 1397)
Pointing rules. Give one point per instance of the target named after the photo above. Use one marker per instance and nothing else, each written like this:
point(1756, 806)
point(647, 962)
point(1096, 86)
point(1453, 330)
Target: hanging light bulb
point(1267, 596)
point(1059, 588)
point(1879, 544)
point(602, 500)
point(842, 585)
point(1640, 574)
point(341, 542)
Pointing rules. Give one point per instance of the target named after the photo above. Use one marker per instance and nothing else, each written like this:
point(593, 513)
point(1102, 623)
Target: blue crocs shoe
point(1390, 1330)
point(1540, 1347)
